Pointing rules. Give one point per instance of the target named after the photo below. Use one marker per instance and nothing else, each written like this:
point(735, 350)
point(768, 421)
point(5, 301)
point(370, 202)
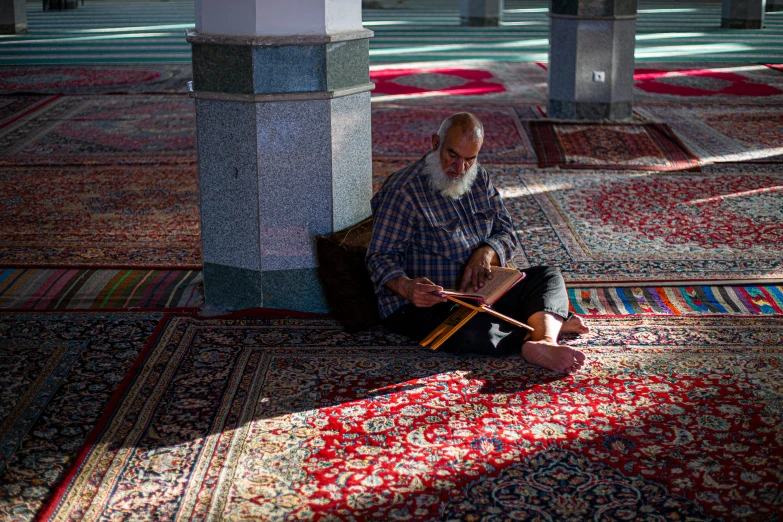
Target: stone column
point(13, 17)
point(591, 60)
point(774, 6)
point(282, 94)
point(484, 13)
point(742, 14)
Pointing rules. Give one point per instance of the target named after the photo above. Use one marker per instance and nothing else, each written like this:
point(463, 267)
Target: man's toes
point(578, 356)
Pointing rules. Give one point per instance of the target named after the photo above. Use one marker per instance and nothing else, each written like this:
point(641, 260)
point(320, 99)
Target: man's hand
point(479, 268)
point(418, 291)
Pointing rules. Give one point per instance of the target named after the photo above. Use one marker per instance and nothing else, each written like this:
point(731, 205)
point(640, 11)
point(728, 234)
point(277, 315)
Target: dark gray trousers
point(542, 290)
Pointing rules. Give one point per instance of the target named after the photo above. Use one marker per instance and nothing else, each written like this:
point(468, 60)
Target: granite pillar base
point(590, 110)
point(591, 67)
point(283, 157)
point(742, 14)
point(481, 13)
point(13, 17)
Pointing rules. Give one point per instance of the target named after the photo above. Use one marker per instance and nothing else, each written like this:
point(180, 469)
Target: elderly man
point(439, 223)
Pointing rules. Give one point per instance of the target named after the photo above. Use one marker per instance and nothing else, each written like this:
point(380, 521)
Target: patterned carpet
point(95, 79)
point(678, 300)
point(403, 131)
point(57, 373)
point(143, 216)
point(289, 419)
point(128, 129)
point(646, 146)
point(715, 133)
point(99, 289)
point(625, 228)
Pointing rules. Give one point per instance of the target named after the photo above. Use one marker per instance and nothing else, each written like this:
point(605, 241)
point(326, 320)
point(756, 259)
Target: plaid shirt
point(418, 232)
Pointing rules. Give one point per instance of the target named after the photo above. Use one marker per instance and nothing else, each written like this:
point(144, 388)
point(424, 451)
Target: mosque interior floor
point(671, 251)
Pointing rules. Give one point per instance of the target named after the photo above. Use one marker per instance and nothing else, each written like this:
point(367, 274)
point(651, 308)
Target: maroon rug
point(627, 146)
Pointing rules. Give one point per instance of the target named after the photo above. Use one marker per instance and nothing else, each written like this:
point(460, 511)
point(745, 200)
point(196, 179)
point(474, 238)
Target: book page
point(503, 278)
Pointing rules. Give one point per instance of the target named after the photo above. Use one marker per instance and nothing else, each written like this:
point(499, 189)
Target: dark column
point(13, 17)
point(482, 13)
point(742, 14)
point(591, 59)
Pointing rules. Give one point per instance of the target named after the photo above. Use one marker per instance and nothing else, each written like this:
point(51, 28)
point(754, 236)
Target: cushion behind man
point(347, 285)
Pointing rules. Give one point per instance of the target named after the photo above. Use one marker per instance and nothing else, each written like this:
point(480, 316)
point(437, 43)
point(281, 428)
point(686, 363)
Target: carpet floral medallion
point(104, 129)
point(100, 215)
point(95, 79)
point(57, 373)
point(731, 133)
point(293, 419)
point(405, 131)
point(447, 81)
point(720, 226)
point(724, 84)
point(475, 82)
point(646, 146)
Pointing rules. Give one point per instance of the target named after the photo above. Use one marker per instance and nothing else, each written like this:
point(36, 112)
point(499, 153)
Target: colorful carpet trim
point(678, 300)
point(291, 419)
point(131, 129)
point(406, 131)
point(142, 216)
point(57, 374)
point(647, 146)
point(747, 133)
point(626, 228)
point(96, 289)
point(95, 79)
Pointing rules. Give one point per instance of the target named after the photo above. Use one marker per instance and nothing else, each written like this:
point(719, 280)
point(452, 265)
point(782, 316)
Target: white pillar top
point(278, 17)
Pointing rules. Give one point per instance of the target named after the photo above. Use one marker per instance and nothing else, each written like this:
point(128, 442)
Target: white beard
point(453, 188)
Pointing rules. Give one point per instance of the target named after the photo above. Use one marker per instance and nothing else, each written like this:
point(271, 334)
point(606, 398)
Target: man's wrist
point(400, 286)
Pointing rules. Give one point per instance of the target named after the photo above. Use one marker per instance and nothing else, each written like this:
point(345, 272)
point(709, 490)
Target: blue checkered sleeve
point(503, 238)
point(418, 232)
point(392, 232)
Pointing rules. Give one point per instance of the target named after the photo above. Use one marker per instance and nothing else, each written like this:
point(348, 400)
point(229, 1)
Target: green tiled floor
point(425, 30)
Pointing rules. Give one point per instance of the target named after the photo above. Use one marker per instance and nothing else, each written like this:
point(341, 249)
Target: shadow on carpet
point(294, 418)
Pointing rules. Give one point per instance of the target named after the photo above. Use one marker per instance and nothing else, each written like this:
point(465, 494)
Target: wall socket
point(599, 76)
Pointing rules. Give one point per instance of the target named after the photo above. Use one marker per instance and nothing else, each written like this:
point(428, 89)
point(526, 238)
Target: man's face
point(459, 151)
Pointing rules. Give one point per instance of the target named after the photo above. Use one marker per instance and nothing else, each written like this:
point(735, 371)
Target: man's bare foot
point(575, 325)
point(552, 356)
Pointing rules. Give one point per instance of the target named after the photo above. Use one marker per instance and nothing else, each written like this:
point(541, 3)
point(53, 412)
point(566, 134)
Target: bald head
point(464, 123)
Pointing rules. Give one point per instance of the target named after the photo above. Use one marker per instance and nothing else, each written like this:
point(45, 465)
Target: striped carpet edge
point(678, 300)
point(98, 289)
point(112, 289)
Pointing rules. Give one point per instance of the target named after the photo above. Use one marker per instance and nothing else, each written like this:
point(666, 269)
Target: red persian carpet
point(722, 226)
point(287, 419)
point(143, 216)
point(446, 81)
point(57, 373)
point(82, 130)
point(646, 146)
point(704, 83)
point(716, 133)
point(479, 82)
point(404, 131)
point(94, 79)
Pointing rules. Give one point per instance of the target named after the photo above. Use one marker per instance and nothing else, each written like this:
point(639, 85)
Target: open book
point(502, 281)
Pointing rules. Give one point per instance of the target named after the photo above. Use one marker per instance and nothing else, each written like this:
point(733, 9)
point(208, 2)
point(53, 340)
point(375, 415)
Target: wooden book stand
point(457, 320)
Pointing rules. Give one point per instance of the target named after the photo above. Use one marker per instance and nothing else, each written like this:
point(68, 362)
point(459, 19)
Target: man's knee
point(549, 276)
